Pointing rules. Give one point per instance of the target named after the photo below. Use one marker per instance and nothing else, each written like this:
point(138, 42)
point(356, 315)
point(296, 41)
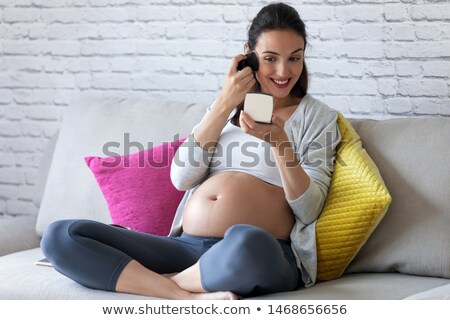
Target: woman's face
point(280, 55)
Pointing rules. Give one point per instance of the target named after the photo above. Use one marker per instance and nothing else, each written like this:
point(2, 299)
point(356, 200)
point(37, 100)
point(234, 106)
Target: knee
point(252, 247)
point(57, 241)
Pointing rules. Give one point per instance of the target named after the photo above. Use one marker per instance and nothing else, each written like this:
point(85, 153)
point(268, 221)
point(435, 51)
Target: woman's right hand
point(236, 84)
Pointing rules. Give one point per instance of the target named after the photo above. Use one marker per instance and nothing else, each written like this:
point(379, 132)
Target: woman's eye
point(269, 59)
point(295, 59)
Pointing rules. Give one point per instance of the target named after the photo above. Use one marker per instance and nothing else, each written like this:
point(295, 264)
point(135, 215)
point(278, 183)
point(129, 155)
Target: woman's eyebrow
point(272, 52)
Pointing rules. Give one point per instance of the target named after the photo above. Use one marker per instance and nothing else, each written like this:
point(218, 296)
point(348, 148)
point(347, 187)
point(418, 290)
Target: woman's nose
point(282, 70)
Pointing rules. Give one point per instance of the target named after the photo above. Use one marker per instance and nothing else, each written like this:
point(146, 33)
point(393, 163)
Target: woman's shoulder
point(315, 110)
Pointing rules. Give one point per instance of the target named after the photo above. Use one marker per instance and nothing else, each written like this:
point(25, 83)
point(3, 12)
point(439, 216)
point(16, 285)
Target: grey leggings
point(247, 261)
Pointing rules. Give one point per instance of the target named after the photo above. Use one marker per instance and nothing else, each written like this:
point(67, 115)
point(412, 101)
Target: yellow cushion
point(357, 201)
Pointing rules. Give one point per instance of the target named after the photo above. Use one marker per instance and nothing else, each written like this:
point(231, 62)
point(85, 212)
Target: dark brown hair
point(277, 16)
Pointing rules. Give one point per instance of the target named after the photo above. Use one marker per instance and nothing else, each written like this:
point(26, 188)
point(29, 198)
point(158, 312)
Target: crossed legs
point(246, 261)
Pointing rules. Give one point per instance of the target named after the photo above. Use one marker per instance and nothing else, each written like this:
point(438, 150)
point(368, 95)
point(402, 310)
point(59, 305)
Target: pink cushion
point(137, 188)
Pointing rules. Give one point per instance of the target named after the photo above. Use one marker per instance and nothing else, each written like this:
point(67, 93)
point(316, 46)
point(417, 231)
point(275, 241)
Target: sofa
point(407, 256)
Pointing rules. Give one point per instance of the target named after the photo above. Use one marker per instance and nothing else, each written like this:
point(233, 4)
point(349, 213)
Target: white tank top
point(238, 151)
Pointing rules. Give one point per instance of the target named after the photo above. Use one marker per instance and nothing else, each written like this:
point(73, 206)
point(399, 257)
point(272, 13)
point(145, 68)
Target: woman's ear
point(247, 48)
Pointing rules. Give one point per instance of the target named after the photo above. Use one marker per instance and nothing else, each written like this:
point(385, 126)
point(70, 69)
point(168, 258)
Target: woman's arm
point(305, 176)
point(236, 85)
point(191, 162)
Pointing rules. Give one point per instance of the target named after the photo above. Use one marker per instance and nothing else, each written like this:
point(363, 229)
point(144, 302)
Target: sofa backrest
point(93, 125)
point(411, 154)
point(414, 236)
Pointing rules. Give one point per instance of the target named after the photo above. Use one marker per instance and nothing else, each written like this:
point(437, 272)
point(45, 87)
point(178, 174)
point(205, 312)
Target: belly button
point(214, 197)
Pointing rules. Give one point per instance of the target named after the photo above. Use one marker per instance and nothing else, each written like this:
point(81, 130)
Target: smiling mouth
point(281, 83)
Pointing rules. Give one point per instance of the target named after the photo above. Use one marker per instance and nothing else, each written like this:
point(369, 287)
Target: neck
point(288, 101)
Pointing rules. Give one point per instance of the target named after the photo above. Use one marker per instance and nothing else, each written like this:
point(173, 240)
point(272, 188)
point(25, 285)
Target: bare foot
point(221, 295)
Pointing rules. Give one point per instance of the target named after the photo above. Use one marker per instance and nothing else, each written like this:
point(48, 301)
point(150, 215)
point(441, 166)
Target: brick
point(387, 87)
point(406, 69)
point(49, 129)
point(403, 33)
point(380, 68)
point(111, 81)
point(63, 15)
point(20, 15)
point(123, 64)
point(207, 31)
point(423, 87)
point(367, 105)
point(174, 82)
point(418, 49)
point(26, 193)
point(436, 69)
point(27, 145)
point(62, 48)
point(37, 31)
point(346, 86)
point(108, 47)
point(314, 13)
point(20, 207)
point(362, 13)
point(366, 50)
point(44, 113)
point(175, 31)
point(370, 32)
point(430, 12)
point(233, 14)
point(7, 159)
point(10, 129)
point(5, 96)
point(24, 63)
point(30, 129)
point(428, 32)
point(399, 105)
point(162, 64)
point(427, 106)
point(320, 67)
point(348, 69)
point(11, 176)
point(71, 31)
point(8, 191)
point(340, 103)
point(330, 32)
point(157, 13)
point(15, 112)
point(200, 13)
point(22, 47)
point(128, 30)
point(396, 13)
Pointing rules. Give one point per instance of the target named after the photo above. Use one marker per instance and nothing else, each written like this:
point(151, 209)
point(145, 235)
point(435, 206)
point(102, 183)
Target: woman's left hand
point(272, 133)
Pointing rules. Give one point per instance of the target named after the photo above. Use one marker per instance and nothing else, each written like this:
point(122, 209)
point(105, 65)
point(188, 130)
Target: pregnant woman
point(246, 225)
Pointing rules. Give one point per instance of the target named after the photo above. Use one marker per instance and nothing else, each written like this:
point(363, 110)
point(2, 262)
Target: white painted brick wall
point(367, 58)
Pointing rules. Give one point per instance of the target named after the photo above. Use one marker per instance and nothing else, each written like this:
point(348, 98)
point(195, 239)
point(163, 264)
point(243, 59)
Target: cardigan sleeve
point(316, 150)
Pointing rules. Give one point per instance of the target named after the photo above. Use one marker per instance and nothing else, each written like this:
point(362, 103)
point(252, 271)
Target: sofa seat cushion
point(369, 286)
point(22, 279)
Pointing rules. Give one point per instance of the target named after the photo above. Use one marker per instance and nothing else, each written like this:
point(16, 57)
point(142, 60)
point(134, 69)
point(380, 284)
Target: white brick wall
point(367, 58)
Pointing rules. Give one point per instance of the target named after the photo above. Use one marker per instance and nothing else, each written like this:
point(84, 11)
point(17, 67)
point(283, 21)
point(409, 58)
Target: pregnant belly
point(231, 198)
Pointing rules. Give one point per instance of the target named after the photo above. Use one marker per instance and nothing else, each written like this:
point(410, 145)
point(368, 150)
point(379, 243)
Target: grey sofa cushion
point(71, 190)
point(22, 279)
point(414, 236)
point(44, 167)
point(17, 233)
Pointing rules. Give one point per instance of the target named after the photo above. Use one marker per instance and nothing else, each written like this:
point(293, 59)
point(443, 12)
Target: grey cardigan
point(313, 133)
